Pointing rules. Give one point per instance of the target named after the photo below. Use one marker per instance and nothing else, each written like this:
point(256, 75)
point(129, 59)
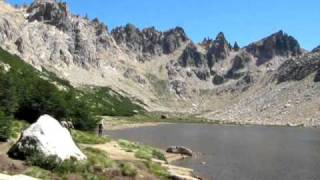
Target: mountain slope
point(27, 93)
point(166, 71)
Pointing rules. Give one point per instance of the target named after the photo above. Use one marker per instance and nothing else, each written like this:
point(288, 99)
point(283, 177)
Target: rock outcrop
point(298, 69)
point(48, 137)
point(219, 49)
point(240, 65)
point(180, 150)
point(278, 44)
point(149, 41)
point(192, 57)
point(50, 12)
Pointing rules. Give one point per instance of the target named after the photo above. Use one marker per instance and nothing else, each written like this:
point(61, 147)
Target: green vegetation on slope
point(104, 101)
point(26, 93)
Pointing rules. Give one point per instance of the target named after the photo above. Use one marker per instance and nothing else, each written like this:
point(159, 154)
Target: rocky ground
point(270, 81)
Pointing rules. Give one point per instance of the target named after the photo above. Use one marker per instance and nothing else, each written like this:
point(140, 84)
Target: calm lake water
point(238, 152)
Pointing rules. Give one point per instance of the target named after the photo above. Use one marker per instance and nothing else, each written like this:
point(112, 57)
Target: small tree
point(236, 47)
point(4, 127)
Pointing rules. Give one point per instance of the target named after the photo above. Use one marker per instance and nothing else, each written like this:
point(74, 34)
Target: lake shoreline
point(129, 125)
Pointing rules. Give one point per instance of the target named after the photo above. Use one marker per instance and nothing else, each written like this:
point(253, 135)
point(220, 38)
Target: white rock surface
point(51, 139)
point(16, 177)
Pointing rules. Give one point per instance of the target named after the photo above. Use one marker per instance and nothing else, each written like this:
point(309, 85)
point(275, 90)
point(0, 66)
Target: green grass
point(99, 158)
point(83, 137)
point(158, 170)
point(40, 173)
point(142, 151)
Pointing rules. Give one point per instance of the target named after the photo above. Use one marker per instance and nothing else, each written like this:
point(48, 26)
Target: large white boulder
point(48, 137)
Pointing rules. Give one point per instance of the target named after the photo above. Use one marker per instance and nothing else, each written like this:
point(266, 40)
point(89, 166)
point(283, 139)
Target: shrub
point(157, 170)
point(98, 158)
point(17, 127)
point(144, 154)
point(45, 162)
point(158, 155)
point(128, 169)
point(70, 166)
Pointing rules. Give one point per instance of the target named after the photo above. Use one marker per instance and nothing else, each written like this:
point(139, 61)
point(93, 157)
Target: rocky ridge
point(166, 70)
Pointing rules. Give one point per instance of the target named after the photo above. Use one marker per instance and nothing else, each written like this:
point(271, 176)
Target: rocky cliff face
point(278, 44)
point(298, 69)
point(166, 70)
point(149, 42)
point(50, 12)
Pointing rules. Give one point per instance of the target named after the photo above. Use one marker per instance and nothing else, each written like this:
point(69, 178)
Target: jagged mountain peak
point(277, 44)
point(219, 49)
point(149, 41)
point(220, 37)
point(317, 49)
point(50, 12)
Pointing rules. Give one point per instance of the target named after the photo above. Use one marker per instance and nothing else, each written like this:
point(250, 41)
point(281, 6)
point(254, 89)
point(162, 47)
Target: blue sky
point(244, 21)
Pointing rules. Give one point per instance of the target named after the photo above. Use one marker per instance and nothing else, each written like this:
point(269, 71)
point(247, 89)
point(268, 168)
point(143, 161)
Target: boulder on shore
point(48, 137)
point(180, 150)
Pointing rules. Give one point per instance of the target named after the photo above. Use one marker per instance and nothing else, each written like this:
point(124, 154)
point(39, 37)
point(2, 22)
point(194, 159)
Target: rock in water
point(180, 150)
point(48, 137)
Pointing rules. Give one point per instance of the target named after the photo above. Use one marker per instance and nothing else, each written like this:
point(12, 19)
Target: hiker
point(100, 128)
point(67, 124)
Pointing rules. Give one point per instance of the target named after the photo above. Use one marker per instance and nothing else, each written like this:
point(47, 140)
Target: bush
point(158, 155)
point(45, 162)
point(157, 170)
point(16, 127)
point(144, 154)
point(70, 166)
point(4, 127)
point(128, 169)
point(98, 158)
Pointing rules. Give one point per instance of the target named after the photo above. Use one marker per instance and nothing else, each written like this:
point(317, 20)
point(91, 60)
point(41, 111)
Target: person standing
point(100, 128)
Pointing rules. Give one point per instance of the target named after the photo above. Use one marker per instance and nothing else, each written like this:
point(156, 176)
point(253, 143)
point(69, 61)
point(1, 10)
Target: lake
point(238, 152)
